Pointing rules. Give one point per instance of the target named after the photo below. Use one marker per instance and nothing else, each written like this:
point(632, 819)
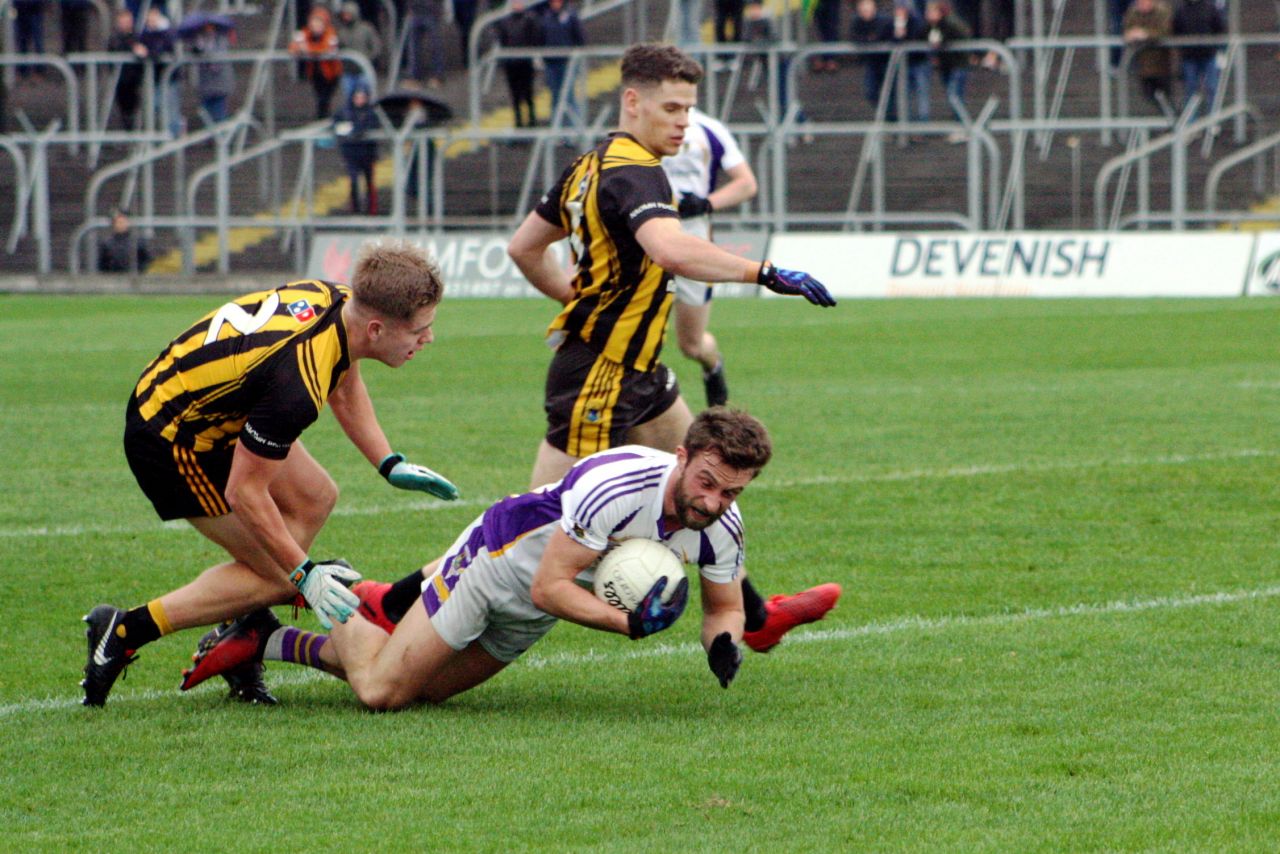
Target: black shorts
point(180, 482)
point(591, 401)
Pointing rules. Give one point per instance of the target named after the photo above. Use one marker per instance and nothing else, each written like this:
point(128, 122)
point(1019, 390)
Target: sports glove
point(651, 616)
point(406, 475)
point(794, 283)
point(723, 657)
point(691, 205)
point(324, 586)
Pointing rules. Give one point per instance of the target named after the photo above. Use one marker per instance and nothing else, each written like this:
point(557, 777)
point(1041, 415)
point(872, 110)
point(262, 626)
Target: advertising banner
point(1032, 264)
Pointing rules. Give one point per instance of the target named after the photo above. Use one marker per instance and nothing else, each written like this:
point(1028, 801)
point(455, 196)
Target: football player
point(525, 563)
point(212, 436)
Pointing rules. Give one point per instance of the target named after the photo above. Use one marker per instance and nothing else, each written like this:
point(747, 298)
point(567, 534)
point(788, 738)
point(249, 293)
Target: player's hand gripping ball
point(626, 574)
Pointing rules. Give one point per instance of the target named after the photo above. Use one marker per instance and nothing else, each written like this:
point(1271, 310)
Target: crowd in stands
point(143, 29)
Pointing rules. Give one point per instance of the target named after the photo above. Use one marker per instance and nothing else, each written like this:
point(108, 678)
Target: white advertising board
point(1032, 264)
point(1264, 269)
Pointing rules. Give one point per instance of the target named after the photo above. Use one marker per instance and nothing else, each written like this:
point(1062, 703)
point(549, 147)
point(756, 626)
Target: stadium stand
point(828, 162)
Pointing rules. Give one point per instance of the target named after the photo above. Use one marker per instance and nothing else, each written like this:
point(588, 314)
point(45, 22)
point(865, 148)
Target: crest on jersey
point(302, 310)
point(593, 415)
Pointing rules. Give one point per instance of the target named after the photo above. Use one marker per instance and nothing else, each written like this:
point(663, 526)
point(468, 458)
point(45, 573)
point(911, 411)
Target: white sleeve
point(601, 501)
point(731, 155)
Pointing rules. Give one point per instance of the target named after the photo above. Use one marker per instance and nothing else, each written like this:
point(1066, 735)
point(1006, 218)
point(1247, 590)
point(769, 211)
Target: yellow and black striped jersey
point(621, 297)
point(258, 370)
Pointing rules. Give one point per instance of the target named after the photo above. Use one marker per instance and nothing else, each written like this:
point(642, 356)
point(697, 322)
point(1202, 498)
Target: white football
point(627, 572)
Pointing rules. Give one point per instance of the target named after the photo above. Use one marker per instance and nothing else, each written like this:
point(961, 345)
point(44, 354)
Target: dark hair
point(396, 278)
point(652, 64)
point(739, 439)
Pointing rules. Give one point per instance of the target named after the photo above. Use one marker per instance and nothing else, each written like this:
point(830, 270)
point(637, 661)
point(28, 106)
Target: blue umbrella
point(197, 21)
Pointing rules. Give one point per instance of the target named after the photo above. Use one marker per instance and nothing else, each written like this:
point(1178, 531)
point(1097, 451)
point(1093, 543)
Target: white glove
point(324, 586)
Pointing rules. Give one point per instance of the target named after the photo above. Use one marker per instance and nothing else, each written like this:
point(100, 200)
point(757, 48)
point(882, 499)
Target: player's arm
point(722, 610)
point(740, 186)
point(353, 408)
point(555, 591)
point(674, 249)
point(529, 250)
point(723, 620)
point(249, 496)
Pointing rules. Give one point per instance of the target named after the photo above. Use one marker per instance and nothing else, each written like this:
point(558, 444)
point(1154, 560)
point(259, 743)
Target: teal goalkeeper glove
point(324, 586)
point(406, 475)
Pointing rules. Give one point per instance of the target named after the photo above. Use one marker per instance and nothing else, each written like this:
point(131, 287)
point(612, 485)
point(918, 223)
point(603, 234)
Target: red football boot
point(230, 646)
point(787, 612)
point(371, 593)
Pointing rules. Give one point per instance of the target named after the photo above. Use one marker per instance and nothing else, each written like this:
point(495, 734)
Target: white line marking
point(414, 506)
point(663, 650)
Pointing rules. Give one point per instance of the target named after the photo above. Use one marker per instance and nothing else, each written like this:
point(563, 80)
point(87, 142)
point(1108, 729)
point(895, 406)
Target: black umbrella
point(397, 103)
point(197, 21)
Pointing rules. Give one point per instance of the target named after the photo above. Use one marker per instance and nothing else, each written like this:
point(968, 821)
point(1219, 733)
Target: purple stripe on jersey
point(450, 572)
point(618, 527)
point(733, 524)
point(593, 462)
point(706, 554)
point(599, 495)
point(717, 153)
point(511, 518)
point(614, 489)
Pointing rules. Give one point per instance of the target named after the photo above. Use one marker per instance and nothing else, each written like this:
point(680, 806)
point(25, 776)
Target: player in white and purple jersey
point(526, 562)
point(707, 153)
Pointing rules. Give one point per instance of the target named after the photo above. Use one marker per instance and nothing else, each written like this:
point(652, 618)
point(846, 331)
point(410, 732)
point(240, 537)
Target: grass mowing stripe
point(790, 483)
point(535, 661)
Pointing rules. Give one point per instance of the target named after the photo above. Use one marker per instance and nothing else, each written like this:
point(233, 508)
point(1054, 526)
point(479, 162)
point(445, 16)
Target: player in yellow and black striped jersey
point(606, 384)
point(212, 435)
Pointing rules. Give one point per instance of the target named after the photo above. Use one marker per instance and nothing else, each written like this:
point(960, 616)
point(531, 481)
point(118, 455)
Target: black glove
point(723, 658)
point(651, 616)
point(692, 205)
point(794, 283)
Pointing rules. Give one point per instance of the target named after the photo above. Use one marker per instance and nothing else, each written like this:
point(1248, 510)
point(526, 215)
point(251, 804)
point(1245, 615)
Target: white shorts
point(688, 291)
point(473, 596)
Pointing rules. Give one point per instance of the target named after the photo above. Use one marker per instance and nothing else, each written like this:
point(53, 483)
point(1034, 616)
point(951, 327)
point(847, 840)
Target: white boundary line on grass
point(817, 480)
point(662, 650)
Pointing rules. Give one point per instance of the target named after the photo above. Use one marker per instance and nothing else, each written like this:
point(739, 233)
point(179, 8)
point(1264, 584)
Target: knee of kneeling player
point(385, 696)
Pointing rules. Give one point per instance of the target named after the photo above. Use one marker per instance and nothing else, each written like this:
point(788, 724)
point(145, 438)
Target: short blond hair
point(396, 278)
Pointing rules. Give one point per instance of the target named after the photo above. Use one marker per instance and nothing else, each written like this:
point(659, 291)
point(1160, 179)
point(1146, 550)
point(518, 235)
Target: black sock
point(139, 628)
point(756, 614)
point(402, 595)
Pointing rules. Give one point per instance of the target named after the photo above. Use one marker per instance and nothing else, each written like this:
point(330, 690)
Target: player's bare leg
point(305, 495)
point(700, 345)
point(664, 432)
point(411, 665)
point(550, 465)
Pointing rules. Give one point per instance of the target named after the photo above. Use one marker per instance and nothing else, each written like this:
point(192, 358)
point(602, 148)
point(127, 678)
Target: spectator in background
point(157, 42)
point(425, 22)
point(871, 28)
point(319, 39)
point(1145, 24)
point(999, 24)
point(909, 27)
point(357, 36)
point(944, 27)
point(1199, 62)
point(28, 30)
point(75, 25)
point(826, 19)
point(728, 12)
point(124, 40)
point(517, 30)
point(464, 17)
point(561, 28)
point(1115, 24)
point(123, 251)
point(215, 78)
point(352, 125)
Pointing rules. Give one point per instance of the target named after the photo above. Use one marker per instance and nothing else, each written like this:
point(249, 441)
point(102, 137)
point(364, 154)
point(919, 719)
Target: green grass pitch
point(1055, 523)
